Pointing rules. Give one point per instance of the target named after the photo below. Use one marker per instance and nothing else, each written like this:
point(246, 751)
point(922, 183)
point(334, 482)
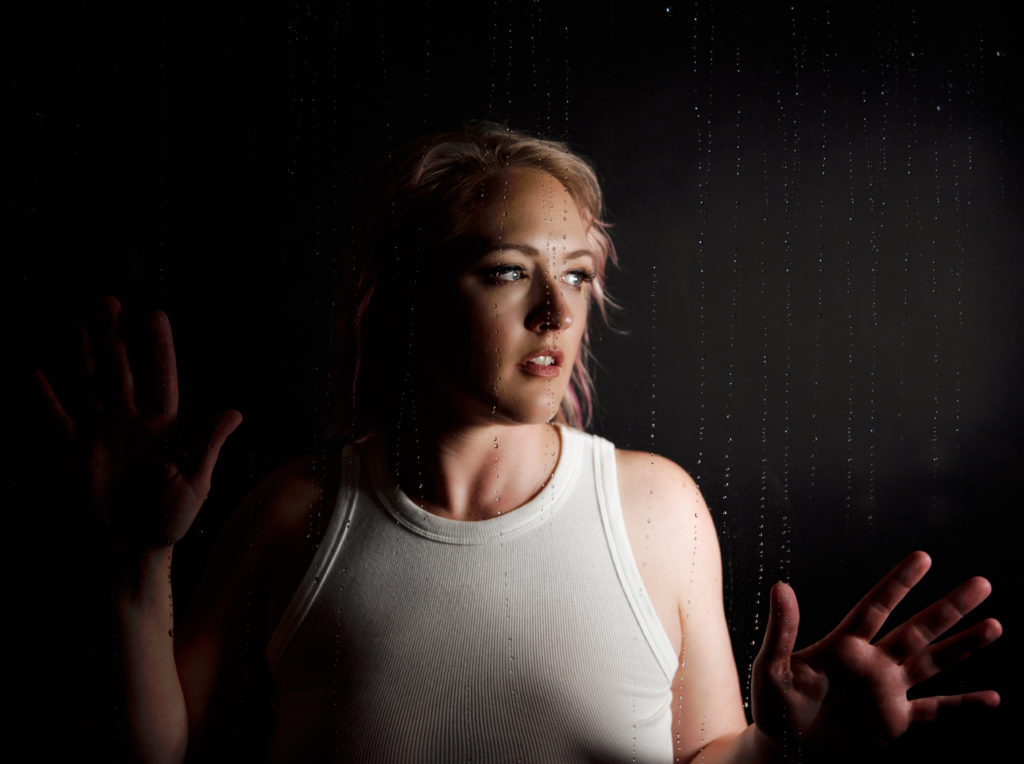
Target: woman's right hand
point(139, 483)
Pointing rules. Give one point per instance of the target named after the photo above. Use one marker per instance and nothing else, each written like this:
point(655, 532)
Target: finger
point(55, 413)
point(935, 620)
point(780, 634)
point(83, 366)
point(929, 662)
point(940, 706)
point(869, 614)
point(224, 424)
point(158, 390)
point(111, 357)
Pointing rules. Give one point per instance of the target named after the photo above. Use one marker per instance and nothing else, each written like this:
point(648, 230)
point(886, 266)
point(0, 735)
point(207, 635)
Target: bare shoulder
point(648, 466)
point(296, 504)
point(672, 537)
point(280, 503)
point(285, 500)
point(255, 567)
point(658, 487)
point(267, 543)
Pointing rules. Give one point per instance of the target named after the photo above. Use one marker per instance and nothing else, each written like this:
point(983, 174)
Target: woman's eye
point(577, 278)
point(507, 273)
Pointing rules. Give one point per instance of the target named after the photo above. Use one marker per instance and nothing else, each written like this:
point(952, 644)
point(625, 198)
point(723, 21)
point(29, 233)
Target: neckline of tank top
point(537, 510)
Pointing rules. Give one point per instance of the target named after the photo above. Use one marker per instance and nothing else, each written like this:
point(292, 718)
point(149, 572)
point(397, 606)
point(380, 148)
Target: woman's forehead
point(525, 181)
point(527, 200)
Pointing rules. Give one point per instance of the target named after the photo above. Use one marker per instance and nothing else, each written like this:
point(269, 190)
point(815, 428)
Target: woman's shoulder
point(290, 492)
point(651, 471)
point(642, 474)
point(671, 533)
point(659, 489)
point(271, 537)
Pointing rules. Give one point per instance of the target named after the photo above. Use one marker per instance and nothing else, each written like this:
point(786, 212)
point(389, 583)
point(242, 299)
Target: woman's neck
point(474, 472)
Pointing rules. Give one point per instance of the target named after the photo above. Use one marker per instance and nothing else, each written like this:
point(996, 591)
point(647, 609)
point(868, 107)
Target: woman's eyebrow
point(526, 249)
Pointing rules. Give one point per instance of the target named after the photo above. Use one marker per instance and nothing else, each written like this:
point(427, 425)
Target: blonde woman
point(473, 577)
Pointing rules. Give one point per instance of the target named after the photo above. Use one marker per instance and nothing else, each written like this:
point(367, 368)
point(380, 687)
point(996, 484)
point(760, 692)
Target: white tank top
point(528, 637)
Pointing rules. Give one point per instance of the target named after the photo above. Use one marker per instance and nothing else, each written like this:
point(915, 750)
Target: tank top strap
point(323, 559)
point(610, 503)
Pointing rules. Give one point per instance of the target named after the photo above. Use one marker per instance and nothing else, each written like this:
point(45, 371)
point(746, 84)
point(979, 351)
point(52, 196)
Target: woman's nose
point(551, 313)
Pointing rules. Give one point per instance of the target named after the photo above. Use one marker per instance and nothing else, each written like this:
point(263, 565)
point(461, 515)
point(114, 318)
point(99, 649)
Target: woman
point(484, 580)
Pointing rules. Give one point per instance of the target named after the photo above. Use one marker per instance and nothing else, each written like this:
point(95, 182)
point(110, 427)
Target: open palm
point(122, 445)
point(846, 694)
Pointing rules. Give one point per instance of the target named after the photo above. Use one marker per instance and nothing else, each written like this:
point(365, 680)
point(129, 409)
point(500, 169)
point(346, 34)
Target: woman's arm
point(140, 488)
point(676, 546)
point(841, 698)
point(147, 689)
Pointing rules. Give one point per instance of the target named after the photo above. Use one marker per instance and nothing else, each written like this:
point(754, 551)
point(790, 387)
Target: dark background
point(817, 209)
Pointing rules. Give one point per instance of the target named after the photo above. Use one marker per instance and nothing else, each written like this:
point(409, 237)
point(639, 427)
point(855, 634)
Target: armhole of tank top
point(322, 561)
point(625, 562)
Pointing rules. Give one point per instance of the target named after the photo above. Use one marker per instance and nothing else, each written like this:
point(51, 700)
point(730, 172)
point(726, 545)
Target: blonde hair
point(430, 191)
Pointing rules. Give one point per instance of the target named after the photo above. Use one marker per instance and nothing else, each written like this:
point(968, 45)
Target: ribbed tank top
point(528, 637)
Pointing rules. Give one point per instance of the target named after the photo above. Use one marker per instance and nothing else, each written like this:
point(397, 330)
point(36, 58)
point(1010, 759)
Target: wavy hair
point(425, 197)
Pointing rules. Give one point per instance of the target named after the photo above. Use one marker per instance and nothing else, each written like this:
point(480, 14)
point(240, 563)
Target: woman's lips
point(543, 363)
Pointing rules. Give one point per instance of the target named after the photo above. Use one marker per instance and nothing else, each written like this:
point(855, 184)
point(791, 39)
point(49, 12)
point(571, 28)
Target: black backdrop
point(817, 209)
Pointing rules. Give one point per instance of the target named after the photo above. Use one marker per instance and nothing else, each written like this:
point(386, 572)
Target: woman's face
point(511, 331)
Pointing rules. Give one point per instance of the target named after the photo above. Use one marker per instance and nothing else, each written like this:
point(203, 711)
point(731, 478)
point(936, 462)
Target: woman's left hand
point(846, 695)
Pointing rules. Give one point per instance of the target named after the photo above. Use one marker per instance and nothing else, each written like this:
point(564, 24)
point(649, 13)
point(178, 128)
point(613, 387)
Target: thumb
point(221, 426)
point(780, 634)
